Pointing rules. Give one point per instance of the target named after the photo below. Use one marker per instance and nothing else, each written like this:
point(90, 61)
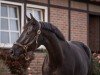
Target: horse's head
point(29, 38)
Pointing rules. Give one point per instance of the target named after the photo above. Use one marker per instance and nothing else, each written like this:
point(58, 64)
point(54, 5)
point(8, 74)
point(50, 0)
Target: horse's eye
point(27, 33)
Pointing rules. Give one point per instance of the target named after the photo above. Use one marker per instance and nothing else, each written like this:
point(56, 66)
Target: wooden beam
point(25, 11)
point(20, 1)
point(88, 23)
point(69, 20)
point(37, 3)
point(95, 2)
point(48, 10)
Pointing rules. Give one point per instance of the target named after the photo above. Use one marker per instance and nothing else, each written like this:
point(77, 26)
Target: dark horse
point(65, 58)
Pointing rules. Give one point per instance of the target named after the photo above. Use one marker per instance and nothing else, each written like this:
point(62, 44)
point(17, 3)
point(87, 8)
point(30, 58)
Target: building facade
point(78, 20)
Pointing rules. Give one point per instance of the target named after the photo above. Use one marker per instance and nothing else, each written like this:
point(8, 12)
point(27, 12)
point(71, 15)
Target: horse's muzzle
point(12, 54)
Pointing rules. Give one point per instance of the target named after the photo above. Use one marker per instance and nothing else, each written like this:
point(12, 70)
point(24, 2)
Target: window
point(9, 27)
point(9, 23)
point(39, 12)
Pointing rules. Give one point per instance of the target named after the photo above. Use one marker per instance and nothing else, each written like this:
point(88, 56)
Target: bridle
point(25, 47)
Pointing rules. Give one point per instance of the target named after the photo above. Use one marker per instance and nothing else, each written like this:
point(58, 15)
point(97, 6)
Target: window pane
point(4, 11)
point(28, 12)
point(13, 12)
point(4, 24)
point(14, 37)
point(0, 37)
point(37, 15)
point(4, 37)
point(14, 25)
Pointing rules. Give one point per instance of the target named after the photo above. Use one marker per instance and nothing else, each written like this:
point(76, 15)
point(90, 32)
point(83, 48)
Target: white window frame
point(10, 18)
point(40, 7)
point(33, 9)
point(22, 19)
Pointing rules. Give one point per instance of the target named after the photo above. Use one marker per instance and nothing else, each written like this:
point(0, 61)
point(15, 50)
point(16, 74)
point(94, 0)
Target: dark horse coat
point(76, 60)
point(64, 58)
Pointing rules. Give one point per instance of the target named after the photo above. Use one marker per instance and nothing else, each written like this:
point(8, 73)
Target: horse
point(64, 57)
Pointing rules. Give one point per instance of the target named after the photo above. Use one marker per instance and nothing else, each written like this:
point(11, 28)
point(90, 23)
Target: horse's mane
point(52, 28)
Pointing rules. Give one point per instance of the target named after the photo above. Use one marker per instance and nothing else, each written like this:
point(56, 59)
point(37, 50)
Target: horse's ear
point(27, 18)
point(34, 20)
point(32, 17)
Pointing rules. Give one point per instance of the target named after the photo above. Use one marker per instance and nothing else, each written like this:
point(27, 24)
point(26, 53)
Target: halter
point(25, 47)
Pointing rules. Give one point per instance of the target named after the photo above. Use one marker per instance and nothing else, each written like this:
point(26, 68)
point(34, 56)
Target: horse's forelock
point(29, 23)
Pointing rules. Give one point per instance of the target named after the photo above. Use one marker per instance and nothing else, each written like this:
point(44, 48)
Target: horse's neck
point(54, 49)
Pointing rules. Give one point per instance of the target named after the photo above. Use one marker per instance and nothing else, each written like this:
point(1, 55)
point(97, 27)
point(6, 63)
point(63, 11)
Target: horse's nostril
point(11, 52)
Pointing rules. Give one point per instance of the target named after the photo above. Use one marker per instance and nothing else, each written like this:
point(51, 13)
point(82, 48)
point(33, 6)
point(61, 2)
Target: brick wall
point(59, 2)
point(35, 67)
point(78, 5)
point(79, 26)
point(42, 1)
point(59, 18)
point(94, 8)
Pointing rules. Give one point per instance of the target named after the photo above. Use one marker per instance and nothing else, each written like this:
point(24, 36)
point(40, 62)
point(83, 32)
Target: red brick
point(79, 26)
point(59, 18)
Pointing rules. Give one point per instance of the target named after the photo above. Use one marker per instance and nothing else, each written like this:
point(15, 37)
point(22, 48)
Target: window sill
point(5, 46)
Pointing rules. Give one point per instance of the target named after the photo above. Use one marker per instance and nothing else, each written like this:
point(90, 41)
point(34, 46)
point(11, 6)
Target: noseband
point(25, 47)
